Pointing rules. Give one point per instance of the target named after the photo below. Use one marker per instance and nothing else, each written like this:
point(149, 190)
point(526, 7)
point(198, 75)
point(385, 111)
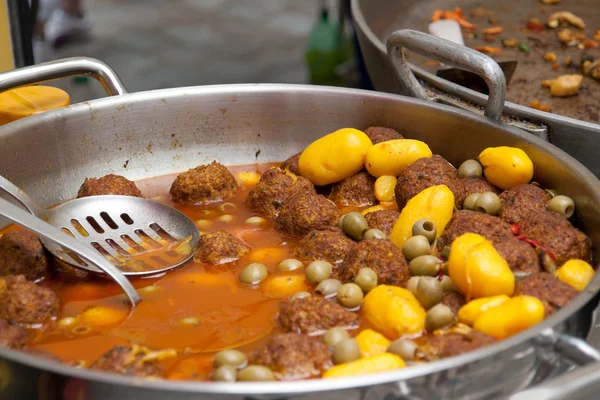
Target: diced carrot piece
point(494, 30)
point(437, 15)
point(488, 49)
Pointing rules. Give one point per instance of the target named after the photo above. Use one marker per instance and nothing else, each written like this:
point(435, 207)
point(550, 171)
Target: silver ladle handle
point(42, 228)
point(22, 197)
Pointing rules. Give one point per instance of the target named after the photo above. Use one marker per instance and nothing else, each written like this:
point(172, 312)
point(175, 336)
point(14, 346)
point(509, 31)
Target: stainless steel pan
point(152, 133)
point(374, 18)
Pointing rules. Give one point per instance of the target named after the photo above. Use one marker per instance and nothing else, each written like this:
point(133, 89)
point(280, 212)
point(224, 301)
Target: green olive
point(354, 225)
point(425, 227)
point(340, 222)
point(335, 335)
point(346, 350)
point(366, 279)
point(374, 234)
point(424, 266)
point(445, 268)
point(438, 317)
point(233, 358)
point(404, 348)
point(429, 291)
point(562, 204)
point(350, 295)
point(489, 203)
point(225, 373)
point(416, 246)
point(412, 283)
point(253, 273)
point(256, 373)
point(445, 253)
point(318, 271)
point(469, 203)
point(328, 287)
point(448, 284)
point(470, 169)
point(300, 295)
point(290, 264)
point(548, 263)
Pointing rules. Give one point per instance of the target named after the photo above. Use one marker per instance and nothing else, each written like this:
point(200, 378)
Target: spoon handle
point(42, 228)
point(14, 191)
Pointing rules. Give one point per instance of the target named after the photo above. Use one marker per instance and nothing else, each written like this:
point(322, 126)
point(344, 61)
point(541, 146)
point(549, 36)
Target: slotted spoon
point(137, 235)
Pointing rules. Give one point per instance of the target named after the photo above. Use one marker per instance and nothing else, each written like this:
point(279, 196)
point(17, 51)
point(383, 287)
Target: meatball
point(303, 212)
point(273, 189)
point(551, 291)
point(382, 256)
point(11, 335)
point(108, 184)
point(328, 244)
point(555, 233)
point(519, 255)
point(292, 356)
point(313, 314)
point(23, 302)
point(427, 172)
point(203, 184)
point(132, 361)
point(522, 200)
point(21, 253)
point(357, 190)
point(488, 226)
point(478, 185)
point(454, 301)
point(453, 343)
point(378, 134)
point(292, 164)
point(383, 220)
point(219, 247)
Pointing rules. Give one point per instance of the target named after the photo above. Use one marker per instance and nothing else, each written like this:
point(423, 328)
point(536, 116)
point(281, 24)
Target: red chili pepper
point(535, 244)
point(515, 228)
point(440, 275)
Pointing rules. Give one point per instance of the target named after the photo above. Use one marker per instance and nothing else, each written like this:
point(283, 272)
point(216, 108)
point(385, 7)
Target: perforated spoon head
point(138, 235)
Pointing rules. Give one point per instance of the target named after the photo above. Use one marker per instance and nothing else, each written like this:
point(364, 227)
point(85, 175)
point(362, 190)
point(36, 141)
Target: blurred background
point(154, 44)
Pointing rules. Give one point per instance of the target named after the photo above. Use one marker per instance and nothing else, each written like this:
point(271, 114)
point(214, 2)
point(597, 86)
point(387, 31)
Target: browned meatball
point(203, 184)
point(303, 212)
point(522, 200)
point(328, 244)
point(273, 189)
point(23, 302)
point(132, 361)
point(292, 356)
point(427, 172)
point(448, 344)
point(21, 253)
point(108, 184)
point(383, 220)
point(555, 233)
point(311, 314)
point(454, 301)
point(378, 134)
point(357, 190)
point(519, 255)
point(219, 247)
point(382, 256)
point(551, 291)
point(488, 226)
point(11, 335)
point(478, 185)
point(292, 164)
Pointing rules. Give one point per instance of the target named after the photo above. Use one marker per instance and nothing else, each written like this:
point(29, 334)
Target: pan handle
point(64, 68)
point(449, 53)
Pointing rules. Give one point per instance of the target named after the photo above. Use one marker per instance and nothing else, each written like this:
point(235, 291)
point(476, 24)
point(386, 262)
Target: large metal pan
point(152, 133)
point(374, 20)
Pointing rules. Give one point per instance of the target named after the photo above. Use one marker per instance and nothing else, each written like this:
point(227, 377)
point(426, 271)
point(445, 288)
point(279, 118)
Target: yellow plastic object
point(366, 365)
point(394, 311)
point(393, 156)
point(334, 157)
point(576, 273)
point(511, 317)
point(371, 343)
point(435, 203)
point(506, 167)
point(473, 309)
point(477, 269)
point(384, 188)
point(29, 100)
